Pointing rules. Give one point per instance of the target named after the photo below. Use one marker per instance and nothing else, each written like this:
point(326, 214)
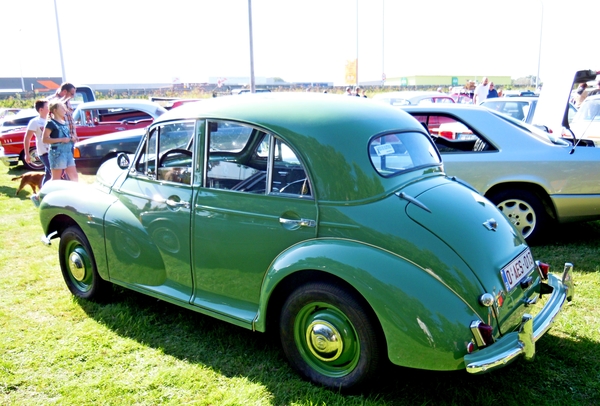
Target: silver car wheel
point(521, 215)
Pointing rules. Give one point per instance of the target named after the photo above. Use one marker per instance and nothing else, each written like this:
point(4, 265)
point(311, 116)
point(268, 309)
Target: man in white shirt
point(36, 127)
point(481, 91)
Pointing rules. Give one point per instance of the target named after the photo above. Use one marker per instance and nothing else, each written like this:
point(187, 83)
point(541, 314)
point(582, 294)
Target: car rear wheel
point(525, 210)
point(36, 163)
point(78, 266)
point(329, 336)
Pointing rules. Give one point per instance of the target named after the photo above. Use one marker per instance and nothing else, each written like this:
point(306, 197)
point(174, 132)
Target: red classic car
point(92, 119)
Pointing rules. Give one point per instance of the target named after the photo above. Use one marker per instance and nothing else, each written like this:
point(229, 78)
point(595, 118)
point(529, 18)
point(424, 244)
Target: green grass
point(136, 350)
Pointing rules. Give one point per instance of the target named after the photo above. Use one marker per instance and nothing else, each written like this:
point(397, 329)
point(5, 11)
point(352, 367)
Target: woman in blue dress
point(60, 141)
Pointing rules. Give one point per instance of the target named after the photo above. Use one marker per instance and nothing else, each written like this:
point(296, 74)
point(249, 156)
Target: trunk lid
point(485, 240)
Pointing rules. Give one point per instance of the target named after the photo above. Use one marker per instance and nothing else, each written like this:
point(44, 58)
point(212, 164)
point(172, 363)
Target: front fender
point(65, 203)
point(425, 323)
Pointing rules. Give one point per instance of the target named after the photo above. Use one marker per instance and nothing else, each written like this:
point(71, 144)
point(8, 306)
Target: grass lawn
point(136, 350)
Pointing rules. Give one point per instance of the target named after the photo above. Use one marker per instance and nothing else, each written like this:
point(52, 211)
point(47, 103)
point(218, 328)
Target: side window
point(120, 115)
point(230, 165)
point(246, 159)
point(174, 160)
point(175, 156)
point(453, 136)
point(288, 174)
point(146, 162)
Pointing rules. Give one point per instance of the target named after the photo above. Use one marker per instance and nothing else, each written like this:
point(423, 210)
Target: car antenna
point(577, 140)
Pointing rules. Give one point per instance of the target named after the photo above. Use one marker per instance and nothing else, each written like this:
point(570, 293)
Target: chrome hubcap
point(324, 341)
point(77, 266)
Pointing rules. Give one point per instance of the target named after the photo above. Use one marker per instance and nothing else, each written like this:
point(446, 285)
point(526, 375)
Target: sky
point(189, 41)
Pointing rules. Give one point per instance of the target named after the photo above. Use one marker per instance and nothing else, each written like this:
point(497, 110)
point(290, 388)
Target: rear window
point(394, 153)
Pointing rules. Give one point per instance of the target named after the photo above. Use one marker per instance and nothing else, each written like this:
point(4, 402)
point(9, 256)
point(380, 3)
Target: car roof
point(482, 119)
point(593, 97)
point(312, 115)
point(330, 133)
point(511, 99)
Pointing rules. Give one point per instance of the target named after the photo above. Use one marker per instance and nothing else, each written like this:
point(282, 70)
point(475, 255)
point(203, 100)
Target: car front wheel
point(524, 210)
point(329, 336)
point(79, 267)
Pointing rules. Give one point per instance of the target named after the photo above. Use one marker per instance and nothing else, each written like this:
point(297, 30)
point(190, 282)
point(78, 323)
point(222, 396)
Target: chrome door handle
point(177, 204)
point(297, 223)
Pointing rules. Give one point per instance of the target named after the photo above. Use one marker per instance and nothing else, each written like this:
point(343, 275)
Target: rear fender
point(425, 323)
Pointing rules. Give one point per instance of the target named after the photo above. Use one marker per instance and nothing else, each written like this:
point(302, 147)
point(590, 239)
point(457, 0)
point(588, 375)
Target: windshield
point(394, 153)
point(534, 131)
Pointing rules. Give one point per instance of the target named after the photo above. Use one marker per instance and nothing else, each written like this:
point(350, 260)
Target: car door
point(255, 203)
point(148, 230)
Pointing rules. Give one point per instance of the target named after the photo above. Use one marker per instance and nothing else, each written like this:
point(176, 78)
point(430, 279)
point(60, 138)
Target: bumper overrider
point(510, 346)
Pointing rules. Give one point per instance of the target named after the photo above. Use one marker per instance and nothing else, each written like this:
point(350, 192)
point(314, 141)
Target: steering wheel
point(172, 152)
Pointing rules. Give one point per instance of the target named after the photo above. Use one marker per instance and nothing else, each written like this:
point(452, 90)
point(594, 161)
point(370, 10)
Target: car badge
point(491, 224)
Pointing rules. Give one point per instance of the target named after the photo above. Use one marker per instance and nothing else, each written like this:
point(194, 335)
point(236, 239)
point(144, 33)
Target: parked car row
point(326, 220)
point(91, 119)
point(522, 108)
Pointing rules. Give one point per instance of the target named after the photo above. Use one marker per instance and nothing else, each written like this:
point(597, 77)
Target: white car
point(586, 123)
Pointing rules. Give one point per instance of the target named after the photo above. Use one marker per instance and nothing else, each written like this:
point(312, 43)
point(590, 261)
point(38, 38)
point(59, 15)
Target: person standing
point(36, 128)
point(493, 93)
point(582, 93)
point(64, 94)
point(56, 133)
point(481, 91)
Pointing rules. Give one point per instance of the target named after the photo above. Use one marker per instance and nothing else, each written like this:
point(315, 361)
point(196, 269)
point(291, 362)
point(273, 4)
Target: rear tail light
point(446, 134)
point(482, 333)
point(543, 269)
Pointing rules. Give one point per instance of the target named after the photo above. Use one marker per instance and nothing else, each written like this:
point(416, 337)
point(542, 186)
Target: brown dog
point(33, 179)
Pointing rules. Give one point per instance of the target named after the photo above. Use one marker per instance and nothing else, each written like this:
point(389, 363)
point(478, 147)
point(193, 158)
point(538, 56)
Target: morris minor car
point(326, 220)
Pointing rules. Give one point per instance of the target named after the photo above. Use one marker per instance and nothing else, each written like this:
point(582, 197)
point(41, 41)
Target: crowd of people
point(55, 135)
point(483, 91)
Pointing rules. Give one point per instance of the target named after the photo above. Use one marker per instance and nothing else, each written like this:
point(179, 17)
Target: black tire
point(36, 163)
point(78, 266)
point(329, 336)
point(525, 210)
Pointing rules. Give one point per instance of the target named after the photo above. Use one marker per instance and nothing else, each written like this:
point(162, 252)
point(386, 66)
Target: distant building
point(434, 81)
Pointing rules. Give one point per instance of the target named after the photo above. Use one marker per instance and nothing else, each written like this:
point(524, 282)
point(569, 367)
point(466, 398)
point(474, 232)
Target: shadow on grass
point(557, 376)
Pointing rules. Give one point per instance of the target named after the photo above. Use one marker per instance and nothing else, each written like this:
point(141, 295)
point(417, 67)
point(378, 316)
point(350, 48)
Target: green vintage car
point(327, 220)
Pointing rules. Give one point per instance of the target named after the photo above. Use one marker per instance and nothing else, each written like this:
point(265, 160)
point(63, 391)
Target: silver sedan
point(536, 179)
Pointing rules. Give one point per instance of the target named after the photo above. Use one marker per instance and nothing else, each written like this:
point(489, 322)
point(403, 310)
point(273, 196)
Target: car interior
point(453, 136)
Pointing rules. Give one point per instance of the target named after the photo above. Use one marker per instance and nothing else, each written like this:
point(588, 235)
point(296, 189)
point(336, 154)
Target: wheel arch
point(81, 206)
point(534, 188)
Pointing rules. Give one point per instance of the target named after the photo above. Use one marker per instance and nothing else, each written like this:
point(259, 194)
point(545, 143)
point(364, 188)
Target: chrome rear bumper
point(510, 346)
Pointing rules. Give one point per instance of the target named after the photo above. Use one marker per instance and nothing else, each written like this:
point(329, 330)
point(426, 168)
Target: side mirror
point(123, 160)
